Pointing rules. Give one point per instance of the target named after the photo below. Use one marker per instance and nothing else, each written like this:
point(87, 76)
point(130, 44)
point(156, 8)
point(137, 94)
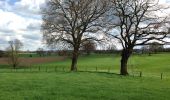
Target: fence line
point(64, 69)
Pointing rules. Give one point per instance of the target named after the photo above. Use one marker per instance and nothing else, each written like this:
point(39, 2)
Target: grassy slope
point(90, 86)
point(80, 86)
point(153, 65)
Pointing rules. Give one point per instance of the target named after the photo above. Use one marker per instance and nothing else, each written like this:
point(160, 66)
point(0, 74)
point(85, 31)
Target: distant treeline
point(84, 52)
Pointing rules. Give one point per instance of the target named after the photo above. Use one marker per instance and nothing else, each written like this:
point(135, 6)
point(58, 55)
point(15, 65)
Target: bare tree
point(72, 22)
point(2, 53)
point(111, 46)
point(40, 52)
point(13, 52)
point(138, 23)
point(89, 46)
point(145, 49)
point(154, 47)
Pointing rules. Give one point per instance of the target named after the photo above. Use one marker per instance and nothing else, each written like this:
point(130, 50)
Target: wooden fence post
point(39, 68)
point(46, 69)
point(96, 69)
point(161, 76)
point(63, 69)
point(108, 69)
point(140, 74)
point(30, 69)
point(55, 68)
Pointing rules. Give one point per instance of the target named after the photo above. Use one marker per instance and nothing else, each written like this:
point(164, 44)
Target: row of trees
point(153, 48)
point(87, 48)
point(71, 23)
point(14, 49)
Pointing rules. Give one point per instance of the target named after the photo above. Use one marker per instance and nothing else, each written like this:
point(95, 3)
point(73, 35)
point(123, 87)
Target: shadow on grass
point(36, 70)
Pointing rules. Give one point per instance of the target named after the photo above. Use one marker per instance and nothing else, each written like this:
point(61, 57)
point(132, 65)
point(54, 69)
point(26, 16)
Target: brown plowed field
point(37, 60)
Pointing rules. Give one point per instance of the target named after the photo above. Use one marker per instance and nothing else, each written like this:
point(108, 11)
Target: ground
point(81, 86)
point(33, 60)
point(98, 79)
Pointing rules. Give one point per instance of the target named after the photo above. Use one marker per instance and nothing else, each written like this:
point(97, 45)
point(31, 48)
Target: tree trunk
point(74, 60)
point(126, 53)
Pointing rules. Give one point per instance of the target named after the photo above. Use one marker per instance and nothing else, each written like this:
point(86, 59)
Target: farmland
point(97, 79)
point(84, 50)
point(152, 65)
point(36, 60)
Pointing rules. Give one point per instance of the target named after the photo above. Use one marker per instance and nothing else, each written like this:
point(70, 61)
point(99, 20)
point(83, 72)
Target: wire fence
point(51, 69)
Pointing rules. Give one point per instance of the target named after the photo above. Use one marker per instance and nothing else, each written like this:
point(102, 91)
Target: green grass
point(80, 86)
point(32, 84)
point(27, 55)
point(149, 65)
point(103, 62)
point(30, 55)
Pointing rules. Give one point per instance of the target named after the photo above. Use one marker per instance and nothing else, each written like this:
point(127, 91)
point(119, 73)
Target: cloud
point(5, 30)
point(30, 37)
point(34, 26)
point(21, 19)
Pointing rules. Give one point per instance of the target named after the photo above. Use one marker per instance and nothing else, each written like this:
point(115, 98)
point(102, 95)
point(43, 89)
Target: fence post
point(39, 68)
point(30, 69)
point(46, 69)
point(55, 68)
point(108, 69)
point(96, 69)
point(140, 74)
point(161, 76)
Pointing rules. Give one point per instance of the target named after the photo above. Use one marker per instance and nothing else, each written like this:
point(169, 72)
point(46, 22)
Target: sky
point(21, 19)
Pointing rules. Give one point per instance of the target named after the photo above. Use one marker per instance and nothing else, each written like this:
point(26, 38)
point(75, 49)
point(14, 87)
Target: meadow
point(152, 65)
point(97, 79)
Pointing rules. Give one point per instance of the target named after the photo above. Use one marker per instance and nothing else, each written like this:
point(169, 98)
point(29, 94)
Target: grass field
point(26, 84)
point(148, 65)
point(80, 86)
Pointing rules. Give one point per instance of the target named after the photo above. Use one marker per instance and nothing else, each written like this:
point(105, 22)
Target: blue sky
point(21, 19)
point(12, 2)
